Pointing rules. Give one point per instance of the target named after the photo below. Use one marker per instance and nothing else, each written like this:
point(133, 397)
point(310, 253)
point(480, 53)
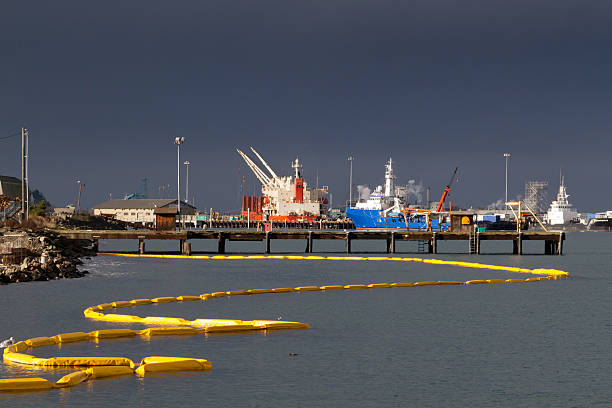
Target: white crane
point(274, 176)
point(259, 173)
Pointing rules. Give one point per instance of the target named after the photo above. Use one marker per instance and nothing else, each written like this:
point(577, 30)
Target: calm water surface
point(512, 345)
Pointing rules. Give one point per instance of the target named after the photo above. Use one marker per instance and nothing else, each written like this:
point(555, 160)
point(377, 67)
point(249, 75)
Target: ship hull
point(261, 217)
point(371, 219)
point(601, 225)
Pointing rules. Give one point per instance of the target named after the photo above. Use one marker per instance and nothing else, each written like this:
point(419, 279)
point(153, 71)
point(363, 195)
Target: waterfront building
point(141, 211)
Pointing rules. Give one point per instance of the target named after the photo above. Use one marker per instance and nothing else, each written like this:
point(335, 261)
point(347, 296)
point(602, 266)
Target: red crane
point(446, 190)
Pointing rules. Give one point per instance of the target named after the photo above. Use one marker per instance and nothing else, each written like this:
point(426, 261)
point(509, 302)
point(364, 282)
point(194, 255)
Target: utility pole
point(24, 175)
point(27, 173)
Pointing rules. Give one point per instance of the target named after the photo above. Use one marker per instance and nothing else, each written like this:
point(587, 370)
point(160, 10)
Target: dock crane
point(446, 190)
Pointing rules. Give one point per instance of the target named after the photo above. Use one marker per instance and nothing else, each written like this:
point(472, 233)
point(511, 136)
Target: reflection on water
point(537, 344)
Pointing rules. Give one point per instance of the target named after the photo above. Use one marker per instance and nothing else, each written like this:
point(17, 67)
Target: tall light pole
point(506, 155)
point(350, 159)
point(187, 163)
point(178, 141)
point(79, 197)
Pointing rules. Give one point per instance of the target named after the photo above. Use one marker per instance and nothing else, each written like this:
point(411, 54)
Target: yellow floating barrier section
point(91, 368)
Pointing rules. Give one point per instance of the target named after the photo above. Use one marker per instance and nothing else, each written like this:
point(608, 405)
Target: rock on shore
point(41, 256)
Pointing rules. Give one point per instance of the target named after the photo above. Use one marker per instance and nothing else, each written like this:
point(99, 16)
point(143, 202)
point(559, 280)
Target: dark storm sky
point(104, 87)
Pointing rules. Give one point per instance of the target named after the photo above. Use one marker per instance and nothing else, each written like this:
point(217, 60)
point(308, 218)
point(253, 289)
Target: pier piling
point(309, 242)
point(433, 243)
point(517, 244)
point(267, 240)
point(221, 243)
point(348, 242)
point(548, 247)
point(185, 248)
point(391, 243)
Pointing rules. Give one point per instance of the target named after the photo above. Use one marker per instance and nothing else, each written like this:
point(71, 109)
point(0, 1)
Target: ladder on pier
point(473, 243)
point(422, 246)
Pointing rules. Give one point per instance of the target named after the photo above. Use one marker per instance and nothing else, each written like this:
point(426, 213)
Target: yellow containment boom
point(90, 368)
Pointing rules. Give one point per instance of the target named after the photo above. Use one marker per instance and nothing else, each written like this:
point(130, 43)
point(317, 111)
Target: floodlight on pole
point(507, 156)
point(178, 141)
point(187, 163)
point(79, 197)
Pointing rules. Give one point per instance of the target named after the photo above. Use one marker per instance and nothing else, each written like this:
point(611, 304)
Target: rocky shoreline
point(40, 255)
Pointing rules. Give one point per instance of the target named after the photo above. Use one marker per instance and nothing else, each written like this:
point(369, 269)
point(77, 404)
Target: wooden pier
point(553, 241)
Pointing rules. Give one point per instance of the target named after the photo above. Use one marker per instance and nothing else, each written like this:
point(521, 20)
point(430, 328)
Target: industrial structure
point(142, 193)
point(283, 198)
point(536, 196)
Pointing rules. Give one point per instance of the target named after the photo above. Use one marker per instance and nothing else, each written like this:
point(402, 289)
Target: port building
point(141, 211)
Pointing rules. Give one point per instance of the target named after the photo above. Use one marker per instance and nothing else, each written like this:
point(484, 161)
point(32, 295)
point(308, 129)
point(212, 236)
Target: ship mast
point(297, 166)
point(389, 177)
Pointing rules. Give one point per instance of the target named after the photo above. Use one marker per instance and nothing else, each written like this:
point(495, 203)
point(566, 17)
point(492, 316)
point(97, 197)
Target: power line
point(11, 135)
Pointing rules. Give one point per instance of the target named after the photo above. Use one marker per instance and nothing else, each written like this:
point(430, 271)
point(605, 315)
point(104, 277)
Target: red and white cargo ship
point(286, 198)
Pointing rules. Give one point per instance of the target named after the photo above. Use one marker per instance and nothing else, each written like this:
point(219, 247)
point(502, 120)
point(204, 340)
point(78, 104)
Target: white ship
point(391, 199)
point(561, 211)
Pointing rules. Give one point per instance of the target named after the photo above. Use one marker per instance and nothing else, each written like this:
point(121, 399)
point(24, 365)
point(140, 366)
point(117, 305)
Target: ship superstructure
point(386, 200)
point(561, 211)
point(285, 197)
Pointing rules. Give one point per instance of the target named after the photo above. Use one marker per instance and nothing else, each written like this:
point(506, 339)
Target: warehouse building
point(141, 211)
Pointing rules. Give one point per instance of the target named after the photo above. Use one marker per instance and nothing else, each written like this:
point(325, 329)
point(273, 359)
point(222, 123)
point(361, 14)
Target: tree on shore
point(40, 209)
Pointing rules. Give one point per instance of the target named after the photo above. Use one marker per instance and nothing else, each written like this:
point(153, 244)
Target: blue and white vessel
point(386, 209)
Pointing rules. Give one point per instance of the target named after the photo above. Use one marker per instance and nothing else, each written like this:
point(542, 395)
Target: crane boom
point(259, 173)
point(274, 176)
point(446, 190)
